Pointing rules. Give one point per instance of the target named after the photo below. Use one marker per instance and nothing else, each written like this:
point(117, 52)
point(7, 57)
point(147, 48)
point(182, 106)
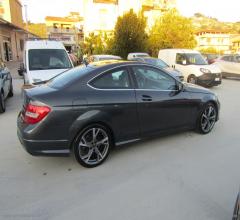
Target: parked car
point(6, 86)
point(210, 58)
point(132, 56)
point(102, 57)
point(236, 212)
point(43, 60)
point(89, 109)
point(160, 63)
point(229, 65)
point(194, 67)
point(74, 59)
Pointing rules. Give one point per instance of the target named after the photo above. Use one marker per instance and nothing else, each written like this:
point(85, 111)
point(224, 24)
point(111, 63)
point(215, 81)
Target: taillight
point(35, 113)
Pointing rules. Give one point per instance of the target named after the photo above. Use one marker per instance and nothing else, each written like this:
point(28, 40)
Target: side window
point(114, 79)
point(226, 58)
point(237, 59)
point(180, 58)
point(153, 79)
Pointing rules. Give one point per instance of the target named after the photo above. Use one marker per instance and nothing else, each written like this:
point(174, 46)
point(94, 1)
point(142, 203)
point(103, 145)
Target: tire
point(10, 94)
point(207, 119)
point(192, 79)
point(92, 151)
point(2, 103)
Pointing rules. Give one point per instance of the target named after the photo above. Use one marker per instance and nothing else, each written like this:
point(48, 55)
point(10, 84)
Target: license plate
point(217, 79)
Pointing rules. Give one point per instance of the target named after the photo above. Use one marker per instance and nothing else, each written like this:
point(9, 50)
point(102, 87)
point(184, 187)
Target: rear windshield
point(157, 62)
point(44, 59)
point(69, 76)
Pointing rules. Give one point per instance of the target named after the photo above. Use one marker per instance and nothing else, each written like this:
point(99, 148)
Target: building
point(214, 39)
point(106, 12)
point(235, 44)
point(68, 29)
point(12, 33)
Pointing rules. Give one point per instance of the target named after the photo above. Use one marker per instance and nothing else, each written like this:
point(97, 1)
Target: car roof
point(44, 44)
point(179, 50)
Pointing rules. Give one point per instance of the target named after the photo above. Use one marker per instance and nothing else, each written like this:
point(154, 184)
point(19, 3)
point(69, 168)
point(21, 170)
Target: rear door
point(160, 105)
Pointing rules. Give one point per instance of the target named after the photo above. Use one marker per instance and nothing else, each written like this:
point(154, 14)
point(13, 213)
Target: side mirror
point(21, 69)
point(179, 86)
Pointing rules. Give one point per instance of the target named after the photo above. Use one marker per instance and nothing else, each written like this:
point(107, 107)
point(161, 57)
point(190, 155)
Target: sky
point(223, 10)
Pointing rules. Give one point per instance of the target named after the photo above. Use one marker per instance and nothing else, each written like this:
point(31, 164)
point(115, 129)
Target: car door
point(161, 106)
point(5, 78)
point(113, 93)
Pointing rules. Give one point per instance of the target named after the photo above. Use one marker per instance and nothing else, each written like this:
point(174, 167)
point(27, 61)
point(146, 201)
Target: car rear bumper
point(210, 79)
point(41, 147)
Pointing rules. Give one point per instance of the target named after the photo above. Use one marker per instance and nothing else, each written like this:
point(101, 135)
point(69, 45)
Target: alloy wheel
point(93, 146)
point(208, 119)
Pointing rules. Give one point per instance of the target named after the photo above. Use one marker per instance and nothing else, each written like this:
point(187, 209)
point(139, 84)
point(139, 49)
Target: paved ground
point(183, 176)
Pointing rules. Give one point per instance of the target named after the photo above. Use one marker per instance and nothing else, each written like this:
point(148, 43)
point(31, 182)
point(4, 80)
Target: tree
point(129, 35)
point(95, 43)
point(171, 31)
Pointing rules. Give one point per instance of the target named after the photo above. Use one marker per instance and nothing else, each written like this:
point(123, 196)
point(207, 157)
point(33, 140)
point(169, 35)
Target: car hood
point(43, 75)
point(196, 89)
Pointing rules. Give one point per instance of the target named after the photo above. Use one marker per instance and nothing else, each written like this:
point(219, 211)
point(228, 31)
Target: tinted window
point(227, 58)
point(43, 59)
point(237, 59)
point(190, 58)
point(69, 76)
point(114, 79)
point(150, 78)
point(156, 62)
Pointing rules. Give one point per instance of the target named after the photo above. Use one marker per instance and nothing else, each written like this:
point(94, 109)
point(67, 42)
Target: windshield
point(195, 59)
point(68, 76)
point(157, 62)
point(142, 55)
point(43, 59)
point(109, 58)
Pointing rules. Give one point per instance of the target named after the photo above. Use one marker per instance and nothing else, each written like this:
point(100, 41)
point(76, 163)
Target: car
point(90, 109)
point(229, 65)
point(193, 66)
point(160, 63)
point(236, 212)
point(210, 58)
point(102, 57)
point(6, 86)
point(43, 60)
point(131, 56)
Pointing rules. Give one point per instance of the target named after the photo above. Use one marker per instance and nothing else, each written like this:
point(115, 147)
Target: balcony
point(64, 30)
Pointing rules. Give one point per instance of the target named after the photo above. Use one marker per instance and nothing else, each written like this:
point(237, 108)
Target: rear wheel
point(92, 146)
point(207, 119)
point(192, 79)
point(2, 103)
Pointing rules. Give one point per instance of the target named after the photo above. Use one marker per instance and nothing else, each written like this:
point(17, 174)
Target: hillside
point(201, 22)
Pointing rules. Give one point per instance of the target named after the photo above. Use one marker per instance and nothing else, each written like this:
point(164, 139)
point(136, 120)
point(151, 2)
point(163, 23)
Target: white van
point(43, 59)
point(194, 67)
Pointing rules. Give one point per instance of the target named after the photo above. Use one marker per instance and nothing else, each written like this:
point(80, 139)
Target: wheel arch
point(87, 124)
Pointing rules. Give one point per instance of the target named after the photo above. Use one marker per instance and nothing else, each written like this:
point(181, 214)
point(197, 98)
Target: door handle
point(146, 98)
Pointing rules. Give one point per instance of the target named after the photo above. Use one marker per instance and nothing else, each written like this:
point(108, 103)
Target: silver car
point(6, 87)
point(229, 65)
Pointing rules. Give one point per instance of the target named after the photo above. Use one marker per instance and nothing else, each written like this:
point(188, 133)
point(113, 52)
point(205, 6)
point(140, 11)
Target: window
point(191, 59)
point(69, 76)
point(115, 79)
point(154, 79)
point(21, 45)
point(227, 58)
point(43, 59)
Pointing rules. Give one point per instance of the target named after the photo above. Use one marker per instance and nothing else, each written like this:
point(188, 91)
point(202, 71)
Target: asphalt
point(183, 176)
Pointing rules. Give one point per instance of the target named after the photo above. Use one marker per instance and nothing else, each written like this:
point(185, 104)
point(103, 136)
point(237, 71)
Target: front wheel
point(92, 146)
point(207, 119)
point(2, 103)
